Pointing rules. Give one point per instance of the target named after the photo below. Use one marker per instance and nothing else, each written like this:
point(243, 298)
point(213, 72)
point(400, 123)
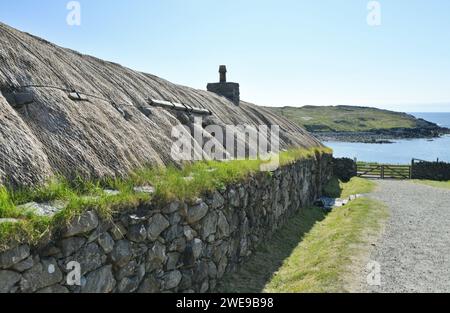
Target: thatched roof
point(56, 135)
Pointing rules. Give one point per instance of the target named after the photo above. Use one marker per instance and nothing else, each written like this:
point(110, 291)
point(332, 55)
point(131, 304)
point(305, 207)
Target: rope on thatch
point(78, 96)
point(69, 90)
point(75, 95)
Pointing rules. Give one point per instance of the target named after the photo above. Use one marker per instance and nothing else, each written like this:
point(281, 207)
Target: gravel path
point(414, 251)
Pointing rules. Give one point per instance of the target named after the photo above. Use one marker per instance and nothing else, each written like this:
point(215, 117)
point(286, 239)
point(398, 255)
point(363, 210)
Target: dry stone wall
point(345, 168)
point(430, 170)
point(176, 247)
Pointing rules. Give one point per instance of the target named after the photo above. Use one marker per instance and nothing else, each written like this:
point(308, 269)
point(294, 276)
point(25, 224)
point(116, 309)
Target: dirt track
point(414, 251)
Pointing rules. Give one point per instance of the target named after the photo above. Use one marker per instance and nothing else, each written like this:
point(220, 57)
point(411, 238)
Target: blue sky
point(285, 52)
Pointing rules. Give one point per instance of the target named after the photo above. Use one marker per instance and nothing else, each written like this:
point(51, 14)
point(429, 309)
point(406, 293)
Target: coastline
point(383, 136)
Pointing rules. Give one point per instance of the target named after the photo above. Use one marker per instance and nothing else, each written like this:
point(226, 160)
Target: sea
point(401, 151)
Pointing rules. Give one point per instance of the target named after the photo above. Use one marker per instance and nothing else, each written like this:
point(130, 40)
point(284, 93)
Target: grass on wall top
point(170, 183)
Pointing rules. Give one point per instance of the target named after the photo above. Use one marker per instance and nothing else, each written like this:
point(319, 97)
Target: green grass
point(348, 118)
point(314, 251)
point(253, 276)
point(321, 261)
point(357, 185)
point(432, 183)
point(170, 183)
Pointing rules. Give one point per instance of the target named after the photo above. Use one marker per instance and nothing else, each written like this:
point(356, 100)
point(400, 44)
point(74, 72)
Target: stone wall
point(228, 90)
point(430, 170)
point(175, 247)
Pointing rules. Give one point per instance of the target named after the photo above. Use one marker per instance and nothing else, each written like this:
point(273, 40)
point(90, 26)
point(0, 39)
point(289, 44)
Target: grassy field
point(314, 252)
point(80, 195)
point(348, 118)
point(432, 183)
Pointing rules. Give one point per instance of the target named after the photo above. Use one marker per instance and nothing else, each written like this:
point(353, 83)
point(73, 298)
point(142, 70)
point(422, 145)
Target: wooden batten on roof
point(178, 107)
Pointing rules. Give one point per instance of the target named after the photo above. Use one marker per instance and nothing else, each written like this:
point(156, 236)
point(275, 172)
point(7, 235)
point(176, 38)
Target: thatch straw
point(56, 135)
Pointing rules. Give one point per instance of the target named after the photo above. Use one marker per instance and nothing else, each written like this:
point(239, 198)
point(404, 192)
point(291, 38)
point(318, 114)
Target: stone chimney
point(223, 73)
point(227, 90)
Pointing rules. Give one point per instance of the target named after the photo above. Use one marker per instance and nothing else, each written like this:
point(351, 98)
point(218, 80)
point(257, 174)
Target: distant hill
point(355, 123)
point(350, 118)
